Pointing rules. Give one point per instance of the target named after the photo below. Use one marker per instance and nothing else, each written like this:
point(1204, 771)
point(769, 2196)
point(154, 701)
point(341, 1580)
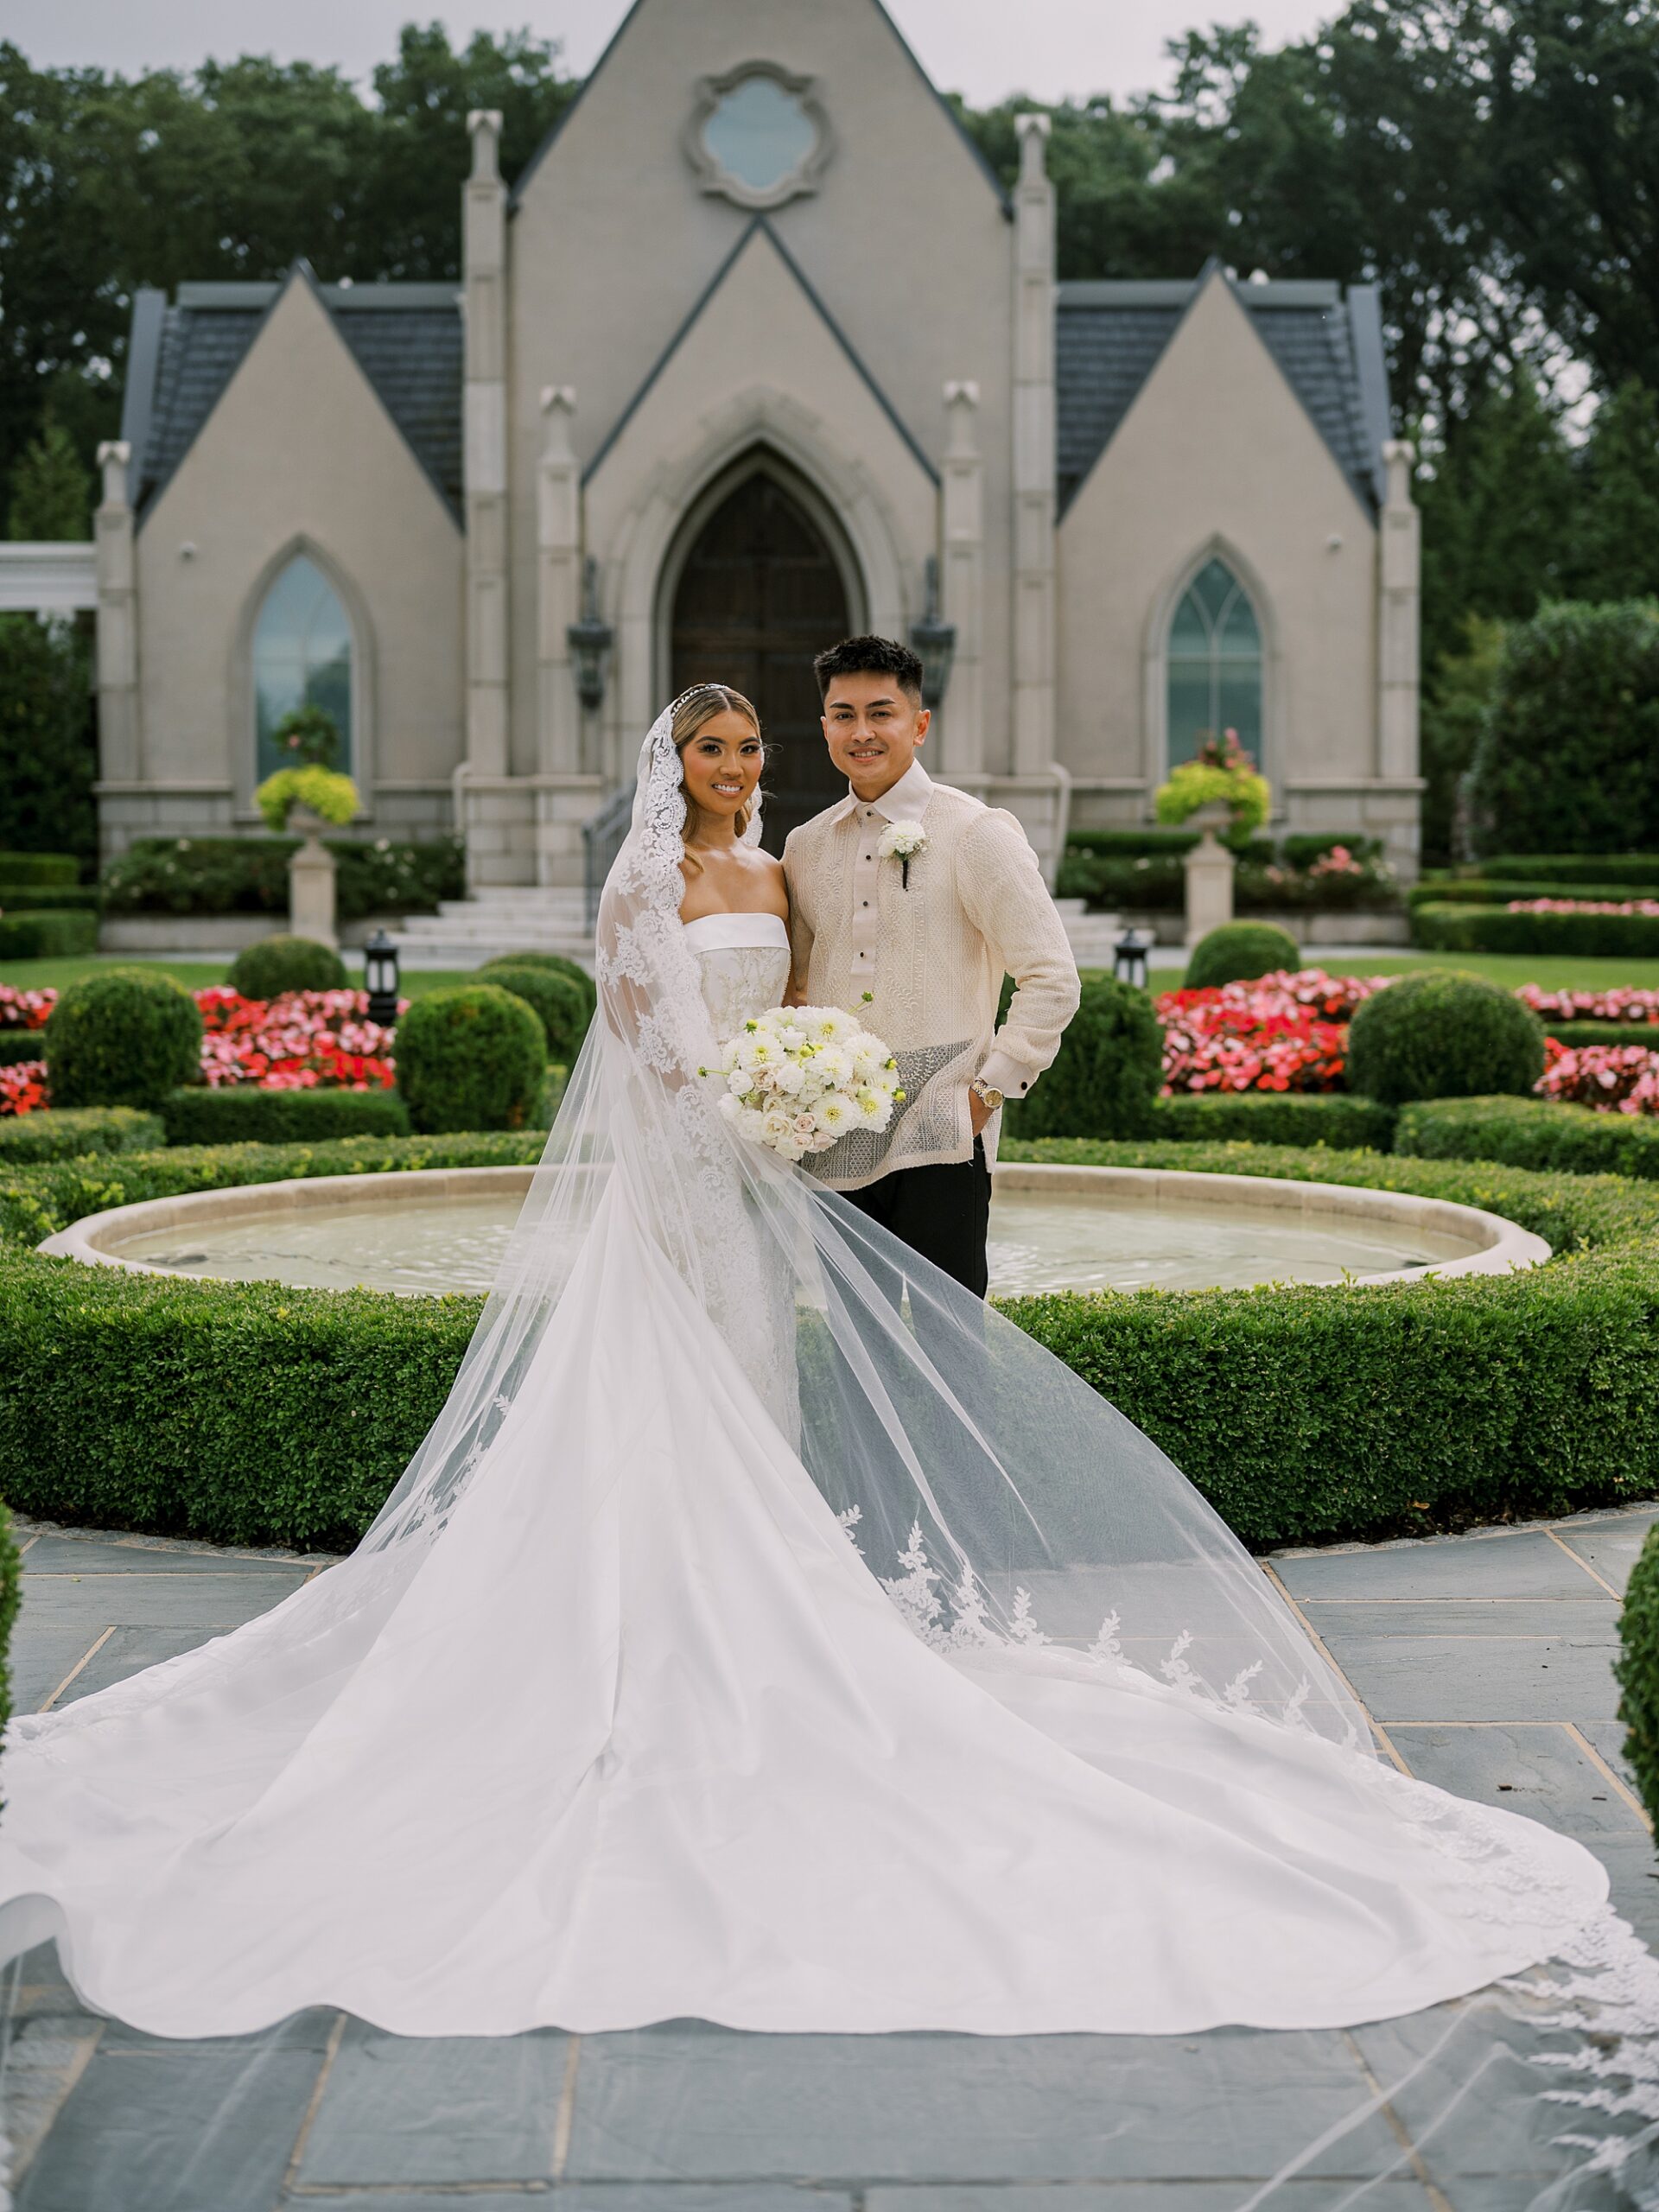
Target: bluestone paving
point(395, 2108)
point(1486, 1658)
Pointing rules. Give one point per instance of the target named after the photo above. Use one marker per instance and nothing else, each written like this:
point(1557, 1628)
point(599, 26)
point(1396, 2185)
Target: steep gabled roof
point(406, 339)
point(621, 31)
point(1108, 338)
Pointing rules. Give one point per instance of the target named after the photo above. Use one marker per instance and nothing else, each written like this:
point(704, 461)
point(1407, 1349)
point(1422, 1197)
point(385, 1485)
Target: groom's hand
point(978, 1113)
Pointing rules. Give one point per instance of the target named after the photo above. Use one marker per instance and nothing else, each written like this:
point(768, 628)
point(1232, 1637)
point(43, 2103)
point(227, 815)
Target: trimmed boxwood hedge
point(1443, 928)
point(1604, 1033)
point(256, 1413)
point(65, 897)
point(68, 1132)
point(1480, 891)
point(1539, 1132)
point(11, 1590)
point(1106, 1073)
point(51, 933)
point(38, 868)
point(1298, 1117)
point(1439, 1034)
point(246, 1115)
point(1238, 952)
point(1637, 1669)
point(19, 1046)
point(1573, 868)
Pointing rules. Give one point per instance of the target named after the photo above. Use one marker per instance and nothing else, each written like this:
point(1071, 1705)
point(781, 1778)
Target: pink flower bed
point(305, 1041)
point(1624, 1004)
point(1650, 907)
point(1283, 1032)
point(1612, 1078)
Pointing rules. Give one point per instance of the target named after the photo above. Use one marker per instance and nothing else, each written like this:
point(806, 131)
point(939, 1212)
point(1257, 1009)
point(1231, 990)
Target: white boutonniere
point(902, 841)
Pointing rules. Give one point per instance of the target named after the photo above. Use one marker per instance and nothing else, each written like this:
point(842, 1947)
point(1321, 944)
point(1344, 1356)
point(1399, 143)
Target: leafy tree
point(51, 489)
point(1457, 692)
point(46, 739)
point(1615, 539)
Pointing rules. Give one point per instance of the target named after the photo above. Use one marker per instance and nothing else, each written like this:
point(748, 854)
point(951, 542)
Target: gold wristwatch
point(987, 1094)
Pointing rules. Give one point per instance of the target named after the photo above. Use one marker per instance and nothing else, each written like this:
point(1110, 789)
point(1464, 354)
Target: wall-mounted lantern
point(590, 640)
point(934, 642)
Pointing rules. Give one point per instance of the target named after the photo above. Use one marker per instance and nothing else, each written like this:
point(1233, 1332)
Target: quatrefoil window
point(759, 135)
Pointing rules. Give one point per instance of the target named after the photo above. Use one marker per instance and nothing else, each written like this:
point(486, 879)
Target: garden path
point(1485, 1660)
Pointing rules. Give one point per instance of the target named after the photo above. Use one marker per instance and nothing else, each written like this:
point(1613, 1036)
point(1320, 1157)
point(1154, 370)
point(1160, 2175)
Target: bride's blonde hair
point(690, 711)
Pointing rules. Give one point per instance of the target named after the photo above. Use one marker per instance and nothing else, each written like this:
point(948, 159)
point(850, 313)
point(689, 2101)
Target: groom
point(929, 936)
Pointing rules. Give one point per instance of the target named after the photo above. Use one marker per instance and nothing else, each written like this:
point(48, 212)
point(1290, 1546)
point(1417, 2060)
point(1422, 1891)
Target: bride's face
point(721, 764)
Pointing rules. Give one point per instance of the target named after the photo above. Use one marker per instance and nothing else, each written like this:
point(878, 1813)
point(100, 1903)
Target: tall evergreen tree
point(51, 489)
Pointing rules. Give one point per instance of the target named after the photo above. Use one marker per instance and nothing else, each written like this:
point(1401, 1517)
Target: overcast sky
point(982, 47)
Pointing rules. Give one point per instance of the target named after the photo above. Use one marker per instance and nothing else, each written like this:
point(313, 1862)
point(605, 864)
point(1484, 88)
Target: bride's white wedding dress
point(751, 1642)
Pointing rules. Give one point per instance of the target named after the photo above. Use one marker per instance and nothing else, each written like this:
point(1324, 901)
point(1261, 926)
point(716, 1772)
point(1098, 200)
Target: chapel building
point(755, 354)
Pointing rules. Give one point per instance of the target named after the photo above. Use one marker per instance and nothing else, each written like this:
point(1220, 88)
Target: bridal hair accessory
point(799, 1077)
point(902, 841)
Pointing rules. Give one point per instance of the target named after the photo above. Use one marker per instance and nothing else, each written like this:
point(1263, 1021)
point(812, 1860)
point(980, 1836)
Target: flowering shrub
point(297, 1042)
point(1221, 771)
point(22, 1087)
point(1283, 1032)
point(1624, 1004)
point(25, 1009)
point(1612, 1078)
point(306, 1040)
point(1647, 907)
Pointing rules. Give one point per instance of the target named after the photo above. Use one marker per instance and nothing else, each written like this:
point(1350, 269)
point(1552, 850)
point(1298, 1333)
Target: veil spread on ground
point(767, 1631)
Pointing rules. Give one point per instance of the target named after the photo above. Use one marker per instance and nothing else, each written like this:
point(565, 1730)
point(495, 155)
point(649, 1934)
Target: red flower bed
point(22, 1087)
point(1613, 1078)
point(25, 1009)
point(302, 1041)
point(305, 1041)
point(1284, 1031)
point(1624, 1004)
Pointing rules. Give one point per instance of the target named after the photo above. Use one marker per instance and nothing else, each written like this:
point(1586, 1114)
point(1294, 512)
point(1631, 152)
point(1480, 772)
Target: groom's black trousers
point(942, 1212)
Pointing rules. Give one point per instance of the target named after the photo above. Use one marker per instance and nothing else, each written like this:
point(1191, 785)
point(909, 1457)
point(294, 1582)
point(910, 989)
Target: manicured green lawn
point(1510, 968)
point(194, 974)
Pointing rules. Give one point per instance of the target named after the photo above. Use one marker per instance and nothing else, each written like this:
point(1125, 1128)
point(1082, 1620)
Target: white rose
point(752, 1124)
point(738, 1083)
point(900, 840)
point(787, 1079)
point(777, 1128)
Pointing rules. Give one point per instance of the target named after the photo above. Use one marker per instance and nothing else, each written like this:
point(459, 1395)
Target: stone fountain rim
point(1502, 1246)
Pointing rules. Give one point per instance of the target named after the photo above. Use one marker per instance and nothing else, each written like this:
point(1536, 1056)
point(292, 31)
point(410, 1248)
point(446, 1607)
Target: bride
point(749, 1642)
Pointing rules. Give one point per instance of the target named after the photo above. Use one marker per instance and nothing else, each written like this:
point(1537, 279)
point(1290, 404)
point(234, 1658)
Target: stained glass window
point(302, 658)
point(1215, 665)
point(760, 133)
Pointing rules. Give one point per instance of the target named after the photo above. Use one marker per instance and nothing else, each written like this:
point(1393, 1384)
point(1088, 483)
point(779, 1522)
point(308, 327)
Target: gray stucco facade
point(756, 321)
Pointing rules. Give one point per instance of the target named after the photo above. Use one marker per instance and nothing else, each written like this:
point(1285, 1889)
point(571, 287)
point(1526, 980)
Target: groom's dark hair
point(871, 657)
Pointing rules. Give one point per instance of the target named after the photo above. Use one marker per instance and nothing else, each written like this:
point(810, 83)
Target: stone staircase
point(465, 932)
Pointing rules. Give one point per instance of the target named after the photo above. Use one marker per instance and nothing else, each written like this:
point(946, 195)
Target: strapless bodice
point(744, 963)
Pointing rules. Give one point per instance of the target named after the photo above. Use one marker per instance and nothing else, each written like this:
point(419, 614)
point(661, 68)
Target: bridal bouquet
point(798, 1078)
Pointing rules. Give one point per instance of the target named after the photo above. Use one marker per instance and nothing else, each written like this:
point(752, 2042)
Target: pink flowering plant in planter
point(1611, 1078)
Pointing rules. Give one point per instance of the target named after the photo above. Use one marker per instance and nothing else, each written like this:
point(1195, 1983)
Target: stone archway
point(759, 592)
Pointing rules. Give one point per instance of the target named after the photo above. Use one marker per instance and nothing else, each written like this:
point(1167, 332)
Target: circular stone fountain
point(1052, 1228)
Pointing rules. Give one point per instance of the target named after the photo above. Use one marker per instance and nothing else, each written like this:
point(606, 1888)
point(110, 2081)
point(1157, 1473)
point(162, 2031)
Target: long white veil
point(1020, 1527)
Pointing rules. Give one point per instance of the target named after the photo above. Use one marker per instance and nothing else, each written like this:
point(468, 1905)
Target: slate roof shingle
point(406, 337)
point(1109, 337)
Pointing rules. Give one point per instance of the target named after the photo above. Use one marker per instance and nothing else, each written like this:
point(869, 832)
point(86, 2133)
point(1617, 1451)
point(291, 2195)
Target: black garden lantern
point(589, 641)
point(380, 979)
point(1129, 958)
point(934, 642)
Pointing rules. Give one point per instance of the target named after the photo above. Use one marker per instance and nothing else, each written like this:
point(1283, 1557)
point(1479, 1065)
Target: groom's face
point(872, 729)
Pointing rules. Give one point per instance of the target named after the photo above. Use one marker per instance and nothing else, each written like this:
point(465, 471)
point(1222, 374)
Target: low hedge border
point(244, 1114)
point(1637, 1669)
point(1441, 927)
point(68, 1132)
point(1294, 1117)
point(1307, 1411)
point(1578, 1033)
point(259, 1415)
point(1480, 891)
point(49, 933)
point(1537, 1133)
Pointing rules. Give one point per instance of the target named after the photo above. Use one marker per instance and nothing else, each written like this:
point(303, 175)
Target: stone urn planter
point(1209, 874)
point(311, 880)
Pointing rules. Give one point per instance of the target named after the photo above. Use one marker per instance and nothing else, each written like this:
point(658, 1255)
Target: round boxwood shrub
point(1443, 1035)
point(1107, 1073)
point(125, 1037)
point(566, 1009)
point(1637, 1669)
point(1237, 952)
point(276, 964)
point(471, 1058)
point(555, 964)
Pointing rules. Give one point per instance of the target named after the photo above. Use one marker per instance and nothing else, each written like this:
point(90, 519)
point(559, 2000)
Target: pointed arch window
point(1214, 664)
point(302, 654)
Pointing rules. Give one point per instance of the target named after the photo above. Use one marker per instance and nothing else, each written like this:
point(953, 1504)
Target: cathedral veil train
point(769, 1632)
